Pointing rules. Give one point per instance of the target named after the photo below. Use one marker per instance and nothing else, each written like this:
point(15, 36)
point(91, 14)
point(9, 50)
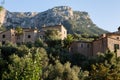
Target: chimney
point(103, 35)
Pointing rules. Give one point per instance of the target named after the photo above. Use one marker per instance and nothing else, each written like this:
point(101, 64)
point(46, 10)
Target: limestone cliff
point(74, 21)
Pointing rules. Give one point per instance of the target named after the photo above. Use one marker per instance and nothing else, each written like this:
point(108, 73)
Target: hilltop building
point(30, 35)
point(82, 47)
point(109, 41)
point(60, 28)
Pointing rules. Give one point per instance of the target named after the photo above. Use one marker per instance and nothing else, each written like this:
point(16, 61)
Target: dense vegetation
point(82, 23)
point(51, 60)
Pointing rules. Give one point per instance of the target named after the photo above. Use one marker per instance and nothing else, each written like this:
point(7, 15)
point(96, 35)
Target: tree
point(2, 28)
point(99, 72)
point(68, 41)
point(60, 71)
point(7, 50)
point(39, 43)
point(52, 35)
point(18, 31)
point(27, 67)
point(22, 50)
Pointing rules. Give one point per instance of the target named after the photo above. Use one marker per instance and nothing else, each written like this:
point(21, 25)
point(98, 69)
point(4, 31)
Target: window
point(81, 45)
point(3, 36)
point(12, 34)
point(3, 42)
point(29, 36)
point(117, 37)
point(40, 36)
point(116, 46)
point(88, 45)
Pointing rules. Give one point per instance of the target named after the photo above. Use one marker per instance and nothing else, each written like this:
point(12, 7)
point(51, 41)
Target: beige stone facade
point(99, 45)
point(109, 41)
point(60, 28)
point(7, 36)
point(81, 47)
point(29, 35)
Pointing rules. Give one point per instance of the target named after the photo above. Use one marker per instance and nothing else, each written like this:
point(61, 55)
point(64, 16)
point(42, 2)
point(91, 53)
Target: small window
point(81, 45)
point(116, 46)
point(3, 42)
point(40, 36)
point(12, 34)
point(3, 36)
point(88, 45)
point(29, 36)
point(18, 37)
point(117, 37)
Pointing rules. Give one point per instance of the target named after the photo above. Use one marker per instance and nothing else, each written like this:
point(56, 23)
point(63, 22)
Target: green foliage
point(19, 30)
point(62, 72)
point(39, 43)
point(24, 68)
point(29, 44)
point(105, 67)
point(54, 62)
point(2, 28)
point(84, 37)
point(103, 72)
point(78, 59)
point(68, 41)
point(7, 50)
point(52, 35)
point(1, 8)
point(22, 50)
point(82, 24)
point(99, 72)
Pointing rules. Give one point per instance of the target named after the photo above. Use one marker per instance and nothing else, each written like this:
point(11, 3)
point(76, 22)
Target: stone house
point(7, 36)
point(41, 35)
point(109, 41)
point(60, 28)
point(30, 35)
point(82, 47)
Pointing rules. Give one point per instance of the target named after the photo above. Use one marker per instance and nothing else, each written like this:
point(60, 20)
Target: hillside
point(74, 21)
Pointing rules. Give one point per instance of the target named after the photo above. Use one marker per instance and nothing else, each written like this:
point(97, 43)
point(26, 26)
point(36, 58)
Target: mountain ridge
point(74, 21)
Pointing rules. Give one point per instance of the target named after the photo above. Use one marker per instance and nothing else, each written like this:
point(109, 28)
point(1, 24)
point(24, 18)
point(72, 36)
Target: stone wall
point(84, 48)
point(111, 44)
point(30, 36)
point(7, 36)
point(99, 46)
point(60, 28)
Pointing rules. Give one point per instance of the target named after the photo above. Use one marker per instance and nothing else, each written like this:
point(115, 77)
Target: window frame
point(116, 46)
point(29, 36)
point(3, 36)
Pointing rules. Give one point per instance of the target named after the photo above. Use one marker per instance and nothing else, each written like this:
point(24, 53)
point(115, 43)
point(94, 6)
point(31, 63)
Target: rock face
point(2, 16)
point(24, 19)
point(74, 21)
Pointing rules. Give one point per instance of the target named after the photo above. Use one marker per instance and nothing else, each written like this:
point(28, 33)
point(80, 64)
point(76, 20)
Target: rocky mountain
point(74, 21)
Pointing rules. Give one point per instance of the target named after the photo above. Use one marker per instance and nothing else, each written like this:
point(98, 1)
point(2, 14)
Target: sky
point(104, 13)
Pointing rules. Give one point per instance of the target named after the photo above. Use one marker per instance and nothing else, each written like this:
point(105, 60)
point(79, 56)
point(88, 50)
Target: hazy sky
point(104, 13)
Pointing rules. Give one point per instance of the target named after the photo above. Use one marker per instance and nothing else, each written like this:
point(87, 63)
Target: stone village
point(106, 41)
